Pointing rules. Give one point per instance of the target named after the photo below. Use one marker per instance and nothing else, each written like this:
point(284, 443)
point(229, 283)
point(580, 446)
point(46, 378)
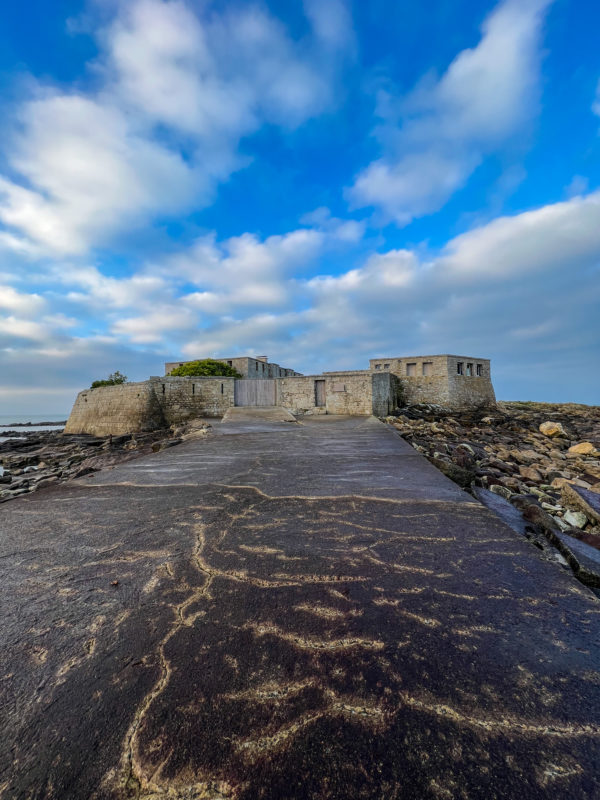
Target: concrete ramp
point(258, 414)
point(288, 612)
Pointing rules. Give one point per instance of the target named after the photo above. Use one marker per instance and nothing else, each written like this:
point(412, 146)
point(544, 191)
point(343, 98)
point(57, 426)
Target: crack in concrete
point(146, 788)
point(305, 643)
point(505, 723)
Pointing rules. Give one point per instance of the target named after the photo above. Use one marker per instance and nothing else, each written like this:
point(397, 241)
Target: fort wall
point(149, 405)
point(341, 393)
point(456, 382)
point(115, 410)
point(182, 399)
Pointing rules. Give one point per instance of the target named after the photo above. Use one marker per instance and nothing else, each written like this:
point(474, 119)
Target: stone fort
point(456, 382)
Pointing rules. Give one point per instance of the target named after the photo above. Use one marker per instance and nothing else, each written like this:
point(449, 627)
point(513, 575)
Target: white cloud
point(250, 293)
point(523, 289)
point(173, 296)
point(20, 302)
point(16, 328)
point(244, 271)
point(331, 21)
point(345, 230)
point(154, 325)
point(91, 173)
point(532, 279)
point(546, 239)
point(177, 89)
point(577, 186)
point(111, 293)
point(434, 138)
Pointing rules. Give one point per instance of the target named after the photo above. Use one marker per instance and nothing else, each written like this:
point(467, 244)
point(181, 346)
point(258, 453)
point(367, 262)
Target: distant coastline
point(33, 424)
point(21, 424)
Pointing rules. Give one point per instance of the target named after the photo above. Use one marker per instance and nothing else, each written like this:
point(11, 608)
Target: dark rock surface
point(38, 459)
point(309, 611)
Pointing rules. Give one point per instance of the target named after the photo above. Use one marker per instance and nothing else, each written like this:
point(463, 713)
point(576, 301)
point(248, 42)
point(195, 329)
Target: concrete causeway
point(288, 610)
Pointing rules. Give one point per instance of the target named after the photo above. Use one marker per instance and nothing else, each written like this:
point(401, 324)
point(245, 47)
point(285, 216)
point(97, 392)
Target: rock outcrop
point(543, 458)
point(37, 459)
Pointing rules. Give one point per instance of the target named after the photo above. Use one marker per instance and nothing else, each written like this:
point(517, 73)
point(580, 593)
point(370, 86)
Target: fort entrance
point(253, 392)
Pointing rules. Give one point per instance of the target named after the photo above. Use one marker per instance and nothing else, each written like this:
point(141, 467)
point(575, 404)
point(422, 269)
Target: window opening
point(386, 366)
point(469, 369)
point(479, 370)
point(427, 368)
point(459, 368)
point(411, 369)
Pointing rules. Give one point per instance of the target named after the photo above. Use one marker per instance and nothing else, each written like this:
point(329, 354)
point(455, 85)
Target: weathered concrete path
point(302, 611)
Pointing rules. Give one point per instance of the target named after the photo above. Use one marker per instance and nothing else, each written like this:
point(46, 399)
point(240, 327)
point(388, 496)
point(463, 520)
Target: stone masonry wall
point(116, 409)
point(345, 393)
point(186, 398)
point(436, 379)
point(386, 393)
point(470, 390)
point(426, 389)
point(149, 405)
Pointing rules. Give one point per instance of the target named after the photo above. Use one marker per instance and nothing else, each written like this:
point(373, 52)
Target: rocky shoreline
point(36, 459)
point(543, 459)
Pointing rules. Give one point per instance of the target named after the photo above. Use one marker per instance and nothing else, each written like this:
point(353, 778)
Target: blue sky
point(323, 181)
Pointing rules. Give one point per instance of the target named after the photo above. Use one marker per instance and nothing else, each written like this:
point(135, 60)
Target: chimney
point(262, 358)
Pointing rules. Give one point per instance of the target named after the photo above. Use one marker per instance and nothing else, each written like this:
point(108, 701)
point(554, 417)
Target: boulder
point(503, 491)
point(537, 516)
point(558, 483)
point(464, 456)
point(530, 473)
point(169, 443)
point(525, 456)
point(583, 449)
point(552, 429)
point(575, 519)
point(584, 500)
point(463, 477)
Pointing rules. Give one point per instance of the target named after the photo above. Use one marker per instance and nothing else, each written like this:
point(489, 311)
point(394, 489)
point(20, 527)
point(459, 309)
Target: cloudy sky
point(322, 181)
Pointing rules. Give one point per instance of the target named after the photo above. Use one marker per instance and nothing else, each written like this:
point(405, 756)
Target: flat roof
point(438, 355)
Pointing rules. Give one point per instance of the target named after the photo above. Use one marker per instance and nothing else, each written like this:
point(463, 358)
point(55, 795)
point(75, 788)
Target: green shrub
point(114, 379)
point(207, 366)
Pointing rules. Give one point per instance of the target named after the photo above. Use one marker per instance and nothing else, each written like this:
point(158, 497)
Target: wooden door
point(320, 399)
point(255, 392)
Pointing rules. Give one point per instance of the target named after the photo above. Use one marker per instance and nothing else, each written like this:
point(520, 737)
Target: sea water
point(7, 422)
